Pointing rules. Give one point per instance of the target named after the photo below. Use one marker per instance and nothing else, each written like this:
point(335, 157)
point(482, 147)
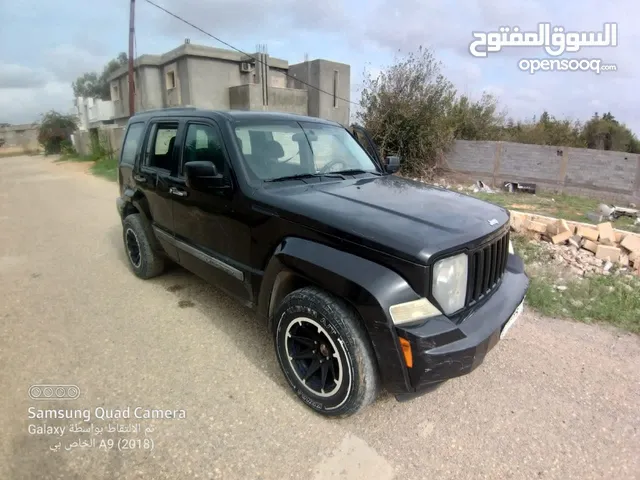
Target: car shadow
point(248, 332)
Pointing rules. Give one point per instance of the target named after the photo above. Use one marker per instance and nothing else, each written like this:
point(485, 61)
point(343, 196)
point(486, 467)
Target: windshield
point(286, 149)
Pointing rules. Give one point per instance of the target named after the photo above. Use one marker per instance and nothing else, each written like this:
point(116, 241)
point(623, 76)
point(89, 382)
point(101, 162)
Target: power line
point(244, 53)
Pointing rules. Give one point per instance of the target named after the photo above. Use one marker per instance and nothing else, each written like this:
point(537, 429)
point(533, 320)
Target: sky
point(46, 44)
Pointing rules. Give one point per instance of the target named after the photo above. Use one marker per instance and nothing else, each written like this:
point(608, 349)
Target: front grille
point(486, 268)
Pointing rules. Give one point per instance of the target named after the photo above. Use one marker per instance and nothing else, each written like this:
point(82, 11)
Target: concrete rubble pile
point(585, 248)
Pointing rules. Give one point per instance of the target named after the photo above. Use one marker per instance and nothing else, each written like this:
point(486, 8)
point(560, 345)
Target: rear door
point(129, 155)
point(158, 162)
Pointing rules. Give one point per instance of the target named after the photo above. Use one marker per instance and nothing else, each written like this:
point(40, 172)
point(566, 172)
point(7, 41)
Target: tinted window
point(160, 147)
point(203, 143)
point(282, 149)
point(131, 142)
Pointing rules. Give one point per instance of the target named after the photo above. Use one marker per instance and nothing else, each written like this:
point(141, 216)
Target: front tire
point(144, 261)
point(324, 353)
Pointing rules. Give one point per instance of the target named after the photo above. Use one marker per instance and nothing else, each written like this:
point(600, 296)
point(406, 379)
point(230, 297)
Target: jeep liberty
point(365, 280)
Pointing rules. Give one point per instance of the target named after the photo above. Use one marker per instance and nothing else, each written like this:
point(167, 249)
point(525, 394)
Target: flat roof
point(193, 50)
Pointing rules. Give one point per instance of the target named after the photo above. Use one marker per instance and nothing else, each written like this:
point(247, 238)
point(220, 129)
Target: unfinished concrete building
point(218, 79)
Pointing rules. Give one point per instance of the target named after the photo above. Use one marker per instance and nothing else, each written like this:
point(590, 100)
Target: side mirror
point(202, 175)
point(392, 164)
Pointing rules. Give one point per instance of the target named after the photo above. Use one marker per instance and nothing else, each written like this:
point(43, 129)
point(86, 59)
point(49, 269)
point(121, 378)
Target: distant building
point(16, 137)
point(93, 112)
point(218, 79)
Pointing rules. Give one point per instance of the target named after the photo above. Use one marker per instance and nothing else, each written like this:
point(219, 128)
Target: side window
point(204, 143)
point(159, 152)
point(131, 142)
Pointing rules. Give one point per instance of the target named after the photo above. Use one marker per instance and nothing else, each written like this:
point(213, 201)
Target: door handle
point(140, 178)
point(177, 192)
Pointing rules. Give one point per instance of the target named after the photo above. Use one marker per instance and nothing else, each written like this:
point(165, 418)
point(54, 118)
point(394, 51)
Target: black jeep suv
point(365, 279)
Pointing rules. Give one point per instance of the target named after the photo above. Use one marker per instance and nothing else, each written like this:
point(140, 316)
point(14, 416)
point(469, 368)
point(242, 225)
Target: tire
point(347, 379)
point(147, 263)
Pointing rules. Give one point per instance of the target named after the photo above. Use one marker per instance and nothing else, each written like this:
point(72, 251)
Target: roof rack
point(186, 107)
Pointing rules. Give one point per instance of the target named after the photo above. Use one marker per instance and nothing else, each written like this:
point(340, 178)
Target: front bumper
point(442, 349)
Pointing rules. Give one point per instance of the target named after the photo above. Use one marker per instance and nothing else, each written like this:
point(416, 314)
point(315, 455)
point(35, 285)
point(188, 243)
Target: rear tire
point(325, 353)
point(144, 261)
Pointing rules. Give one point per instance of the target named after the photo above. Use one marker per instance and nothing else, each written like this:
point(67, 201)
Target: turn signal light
point(406, 350)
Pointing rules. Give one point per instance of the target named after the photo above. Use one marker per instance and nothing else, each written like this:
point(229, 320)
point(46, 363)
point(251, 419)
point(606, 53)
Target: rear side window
point(160, 151)
point(131, 142)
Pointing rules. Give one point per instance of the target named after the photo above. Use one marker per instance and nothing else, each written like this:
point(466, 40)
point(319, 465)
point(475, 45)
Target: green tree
point(55, 130)
point(479, 120)
point(405, 110)
point(606, 133)
point(92, 85)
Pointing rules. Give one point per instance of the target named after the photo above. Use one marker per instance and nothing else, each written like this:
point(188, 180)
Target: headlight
point(511, 250)
point(450, 282)
point(411, 311)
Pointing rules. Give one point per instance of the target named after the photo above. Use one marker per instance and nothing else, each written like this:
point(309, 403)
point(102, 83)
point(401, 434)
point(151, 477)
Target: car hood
point(403, 217)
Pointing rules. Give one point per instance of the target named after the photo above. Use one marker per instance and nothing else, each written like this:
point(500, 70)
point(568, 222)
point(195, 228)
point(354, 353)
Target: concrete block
point(606, 252)
point(631, 242)
point(537, 227)
point(607, 235)
point(552, 229)
point(590, 245)
point(588, 233)
point(518, 221)
point(624, 260)
point(576, 241)
point(561, 238)
point(563, 226)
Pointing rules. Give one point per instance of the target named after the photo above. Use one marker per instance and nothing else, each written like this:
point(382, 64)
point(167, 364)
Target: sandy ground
point(555, 399)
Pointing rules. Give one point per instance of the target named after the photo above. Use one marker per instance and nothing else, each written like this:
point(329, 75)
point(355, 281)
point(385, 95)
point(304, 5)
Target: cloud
point(14, 76)
point(363, 33)
point(447, 28)
point(67, 62)
point(257, 18)
point(24, 105)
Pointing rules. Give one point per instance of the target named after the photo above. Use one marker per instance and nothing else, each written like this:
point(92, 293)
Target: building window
point(115, 92)
point(171, 80)
point(335, 88)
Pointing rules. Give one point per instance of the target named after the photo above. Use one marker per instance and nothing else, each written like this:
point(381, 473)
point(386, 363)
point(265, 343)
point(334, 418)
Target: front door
point(212, 240)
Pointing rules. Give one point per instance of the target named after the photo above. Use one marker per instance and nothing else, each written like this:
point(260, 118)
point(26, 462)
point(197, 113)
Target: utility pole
point(132, 12)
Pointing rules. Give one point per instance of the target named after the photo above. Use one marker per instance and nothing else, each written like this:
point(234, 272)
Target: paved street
point(555, 399)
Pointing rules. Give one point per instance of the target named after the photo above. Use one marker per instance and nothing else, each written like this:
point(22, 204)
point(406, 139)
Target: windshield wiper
point(354, 171)
point(302, 176)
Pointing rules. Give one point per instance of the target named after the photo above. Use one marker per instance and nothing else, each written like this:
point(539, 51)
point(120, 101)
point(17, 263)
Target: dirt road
point(555, 399)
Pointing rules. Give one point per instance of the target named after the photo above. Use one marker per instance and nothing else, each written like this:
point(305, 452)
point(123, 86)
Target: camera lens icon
point(54, 392)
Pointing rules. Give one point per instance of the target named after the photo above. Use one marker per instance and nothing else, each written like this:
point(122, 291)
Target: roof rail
point(186, 107)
